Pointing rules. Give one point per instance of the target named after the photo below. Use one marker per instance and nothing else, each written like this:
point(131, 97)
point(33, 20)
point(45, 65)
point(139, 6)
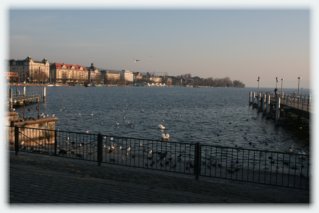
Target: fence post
point(16, 139)
point(197, 160)
point(55, 142)
point(99, 149)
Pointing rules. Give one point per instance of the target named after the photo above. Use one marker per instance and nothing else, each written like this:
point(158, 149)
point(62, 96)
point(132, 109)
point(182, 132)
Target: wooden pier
point(281, 105)
point(24, 99)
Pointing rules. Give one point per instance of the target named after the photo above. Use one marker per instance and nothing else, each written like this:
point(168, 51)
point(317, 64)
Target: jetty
point(280, 106)
point(24, 99)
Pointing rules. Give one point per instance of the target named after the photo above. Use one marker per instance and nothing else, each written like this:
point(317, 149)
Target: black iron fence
point(248, 165)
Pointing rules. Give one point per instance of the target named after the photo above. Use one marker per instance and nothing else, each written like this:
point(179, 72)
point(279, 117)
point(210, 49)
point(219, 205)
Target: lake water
point(218, 116)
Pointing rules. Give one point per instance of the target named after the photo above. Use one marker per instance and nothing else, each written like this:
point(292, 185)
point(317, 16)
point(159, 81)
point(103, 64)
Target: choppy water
point(219, 116)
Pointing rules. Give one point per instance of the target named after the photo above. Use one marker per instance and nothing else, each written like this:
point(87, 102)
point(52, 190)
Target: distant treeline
point(210, 82)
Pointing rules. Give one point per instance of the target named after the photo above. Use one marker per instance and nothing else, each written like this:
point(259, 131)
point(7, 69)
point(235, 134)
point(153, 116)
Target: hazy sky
point(240, 44)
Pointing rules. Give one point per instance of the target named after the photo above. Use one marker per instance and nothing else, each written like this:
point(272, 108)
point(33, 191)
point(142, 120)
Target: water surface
point(219, 116)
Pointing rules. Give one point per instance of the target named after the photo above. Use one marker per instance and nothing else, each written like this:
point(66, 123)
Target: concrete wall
point(42, 134)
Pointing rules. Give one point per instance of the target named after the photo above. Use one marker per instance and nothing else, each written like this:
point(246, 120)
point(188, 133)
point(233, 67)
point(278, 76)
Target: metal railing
point(300, 102)
point(248, 165)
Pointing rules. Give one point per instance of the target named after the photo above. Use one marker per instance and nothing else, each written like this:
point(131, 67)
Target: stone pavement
point(38, 178)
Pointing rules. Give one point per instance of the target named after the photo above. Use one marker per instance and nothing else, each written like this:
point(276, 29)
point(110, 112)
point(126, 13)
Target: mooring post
point(259, 102)
point(16, 140)
point(99, 149)
point(268, 104)
point(277, 109)
point(254, 97)
point(250, 97)
point(24, 91)
point(263, 101)
point(44, 94)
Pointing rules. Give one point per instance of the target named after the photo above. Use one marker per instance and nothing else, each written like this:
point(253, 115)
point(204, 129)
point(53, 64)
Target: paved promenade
point(47, 179)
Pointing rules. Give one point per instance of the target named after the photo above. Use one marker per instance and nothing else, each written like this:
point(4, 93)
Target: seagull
point(161, 126)
point(150, 154)
point(128, 150)
point(137, 60)
point(112, 147)
point(165, 136)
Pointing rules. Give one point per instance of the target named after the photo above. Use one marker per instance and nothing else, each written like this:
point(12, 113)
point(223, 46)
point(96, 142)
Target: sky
point(236, 43)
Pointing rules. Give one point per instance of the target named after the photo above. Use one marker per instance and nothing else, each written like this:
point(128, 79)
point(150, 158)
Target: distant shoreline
point(109, 85)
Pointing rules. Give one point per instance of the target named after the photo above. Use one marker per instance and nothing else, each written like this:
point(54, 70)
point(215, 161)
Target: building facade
point(112, 76)
point(31, 71)
point(127, 76)
point(68, 73)
point(12, 77)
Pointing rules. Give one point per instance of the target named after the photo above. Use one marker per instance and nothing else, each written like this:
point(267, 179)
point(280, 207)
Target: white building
point(127, 76)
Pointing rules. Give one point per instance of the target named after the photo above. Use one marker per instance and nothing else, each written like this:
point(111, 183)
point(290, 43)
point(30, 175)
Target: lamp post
point(276, 82)
point(298, 84)
point(281, 86)
point(258, 79)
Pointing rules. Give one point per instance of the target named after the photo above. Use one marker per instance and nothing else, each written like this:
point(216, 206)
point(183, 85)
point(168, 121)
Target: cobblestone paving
point(46, 179)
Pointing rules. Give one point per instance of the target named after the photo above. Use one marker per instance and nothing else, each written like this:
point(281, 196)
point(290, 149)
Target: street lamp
point(258, 79)
point(298, 84)
point(276, 82)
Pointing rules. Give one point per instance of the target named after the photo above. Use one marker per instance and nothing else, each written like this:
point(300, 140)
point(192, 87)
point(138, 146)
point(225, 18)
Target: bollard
point(99, 149)
point(277, 109)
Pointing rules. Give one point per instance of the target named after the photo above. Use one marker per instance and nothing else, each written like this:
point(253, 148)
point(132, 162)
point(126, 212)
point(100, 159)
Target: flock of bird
point(165, 135)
